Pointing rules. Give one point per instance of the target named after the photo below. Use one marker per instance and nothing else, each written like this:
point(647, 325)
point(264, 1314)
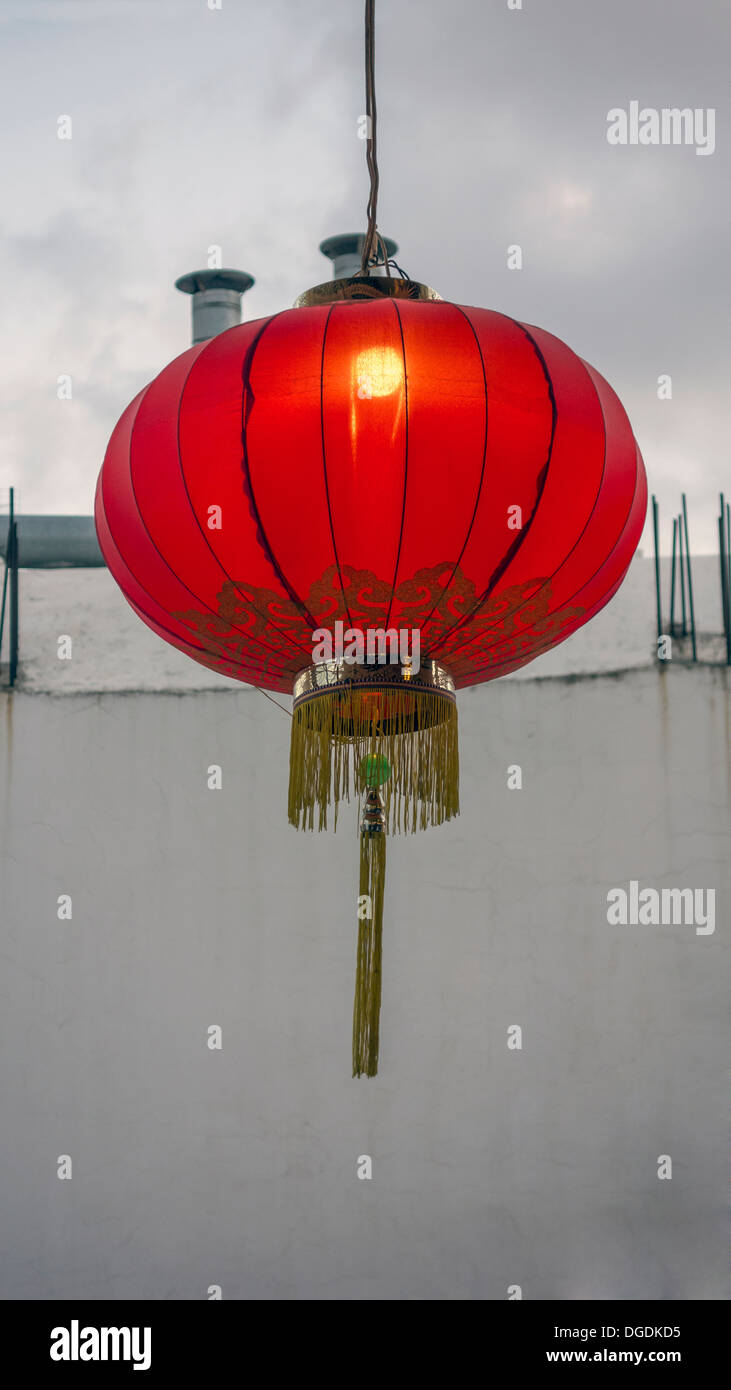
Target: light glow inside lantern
point(377, 371)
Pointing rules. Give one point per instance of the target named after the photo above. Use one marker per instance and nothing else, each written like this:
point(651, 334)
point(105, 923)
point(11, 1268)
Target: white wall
point(191, 907)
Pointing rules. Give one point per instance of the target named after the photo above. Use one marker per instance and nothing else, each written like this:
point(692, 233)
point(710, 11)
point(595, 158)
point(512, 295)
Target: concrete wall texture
point(491, 1166)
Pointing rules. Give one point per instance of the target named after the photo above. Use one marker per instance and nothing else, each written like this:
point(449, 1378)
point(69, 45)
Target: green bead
point(375, 770)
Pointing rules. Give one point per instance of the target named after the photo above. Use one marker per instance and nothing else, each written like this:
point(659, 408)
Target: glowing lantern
point(442, 490)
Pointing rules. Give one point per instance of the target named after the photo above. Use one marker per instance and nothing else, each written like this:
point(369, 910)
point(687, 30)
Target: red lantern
point(383, 464)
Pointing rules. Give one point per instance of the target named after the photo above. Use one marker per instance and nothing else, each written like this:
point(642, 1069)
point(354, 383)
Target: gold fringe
point(334, 731)
point(367, 1005)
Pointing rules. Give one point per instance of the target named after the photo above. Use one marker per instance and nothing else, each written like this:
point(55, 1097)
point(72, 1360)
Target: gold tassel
point(367, 1006)
point(359, 736)
point(332, 735)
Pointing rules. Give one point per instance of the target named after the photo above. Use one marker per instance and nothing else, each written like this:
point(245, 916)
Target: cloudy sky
point(237, 127)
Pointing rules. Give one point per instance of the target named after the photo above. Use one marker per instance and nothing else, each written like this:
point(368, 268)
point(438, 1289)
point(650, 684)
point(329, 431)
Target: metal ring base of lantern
point(359, 287)
point(347, 717)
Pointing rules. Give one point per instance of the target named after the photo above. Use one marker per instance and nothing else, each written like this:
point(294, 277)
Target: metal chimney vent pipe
point(216, 303)
point(345, 252)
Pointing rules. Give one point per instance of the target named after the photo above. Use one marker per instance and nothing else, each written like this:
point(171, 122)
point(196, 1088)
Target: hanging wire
point(375, 251)
point(372, 239)
point(274, 702)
